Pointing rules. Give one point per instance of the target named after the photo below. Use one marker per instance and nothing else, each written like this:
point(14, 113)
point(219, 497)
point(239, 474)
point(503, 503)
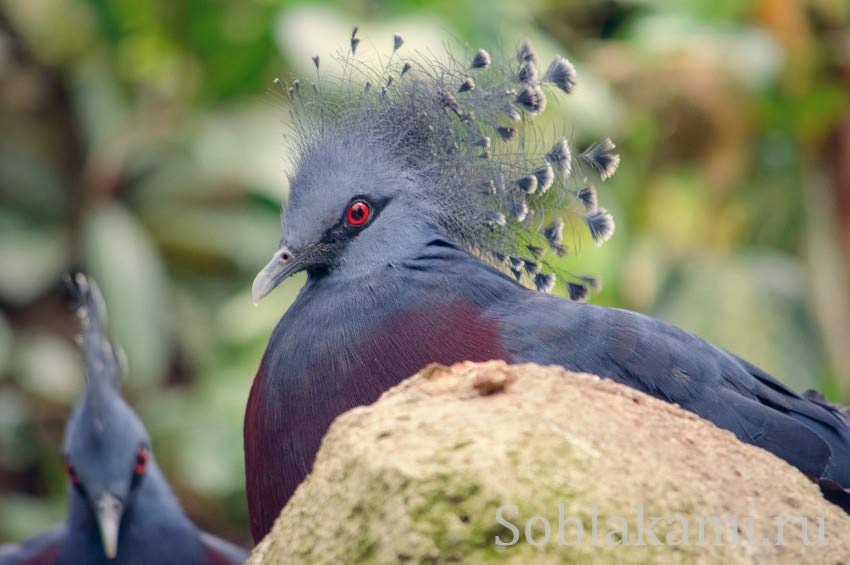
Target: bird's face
point(107, 456)
point(343, 211)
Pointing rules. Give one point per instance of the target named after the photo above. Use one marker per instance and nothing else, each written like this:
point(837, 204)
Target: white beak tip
point(108, 511)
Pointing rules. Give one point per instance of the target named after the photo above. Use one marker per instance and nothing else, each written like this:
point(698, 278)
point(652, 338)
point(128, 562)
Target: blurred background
point(140, 141)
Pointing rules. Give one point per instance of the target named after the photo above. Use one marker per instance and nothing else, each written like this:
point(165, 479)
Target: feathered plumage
point(601, 158)
point(562, 74)
point(588, 199)
point(432, 122)
point(398, 41)
point(481, 60)
point(601, 225)
point(526, 53)
point(528, 73)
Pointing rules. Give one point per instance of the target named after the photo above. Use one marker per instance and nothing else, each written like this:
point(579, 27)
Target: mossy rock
point(419, 476)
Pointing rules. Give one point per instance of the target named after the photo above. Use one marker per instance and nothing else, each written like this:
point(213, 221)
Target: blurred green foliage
point(139, 142)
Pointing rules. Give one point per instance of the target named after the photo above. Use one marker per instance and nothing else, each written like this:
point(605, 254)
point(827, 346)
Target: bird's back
point(674, 365)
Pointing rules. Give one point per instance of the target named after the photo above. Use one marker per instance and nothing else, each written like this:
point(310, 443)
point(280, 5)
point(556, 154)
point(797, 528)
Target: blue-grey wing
point(42, 549)
point(674, 365)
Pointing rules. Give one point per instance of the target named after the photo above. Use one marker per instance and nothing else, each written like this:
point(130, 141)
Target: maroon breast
point(295, 398)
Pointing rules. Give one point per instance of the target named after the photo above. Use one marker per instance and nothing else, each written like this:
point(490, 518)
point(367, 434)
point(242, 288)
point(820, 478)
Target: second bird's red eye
point(358, 213)
point(141, 461)
point(72, 474)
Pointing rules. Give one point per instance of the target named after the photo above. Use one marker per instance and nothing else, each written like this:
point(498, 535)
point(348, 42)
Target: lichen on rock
point(420, 475)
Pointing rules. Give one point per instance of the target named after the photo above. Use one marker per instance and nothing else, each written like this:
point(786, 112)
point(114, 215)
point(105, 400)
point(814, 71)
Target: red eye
point(358, 213)
point(141, 461)
point(72, 474)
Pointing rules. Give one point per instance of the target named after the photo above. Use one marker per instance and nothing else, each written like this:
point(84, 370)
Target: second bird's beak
point(109, 510)
point(283, 264)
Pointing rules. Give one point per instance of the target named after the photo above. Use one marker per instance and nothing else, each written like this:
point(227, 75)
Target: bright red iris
point(72, 474)
point(141, 461)
point(358, 213)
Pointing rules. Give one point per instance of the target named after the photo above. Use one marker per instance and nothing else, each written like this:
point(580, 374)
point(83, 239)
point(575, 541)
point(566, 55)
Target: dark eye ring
point(358, 213)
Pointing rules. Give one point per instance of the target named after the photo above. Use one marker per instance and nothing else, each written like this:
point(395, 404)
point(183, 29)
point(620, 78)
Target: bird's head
point(350, 210)
point(387, 157)
point(106, 447)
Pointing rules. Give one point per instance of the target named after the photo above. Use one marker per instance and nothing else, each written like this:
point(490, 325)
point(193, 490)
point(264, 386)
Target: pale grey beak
point(283, 264)
point(108, 510)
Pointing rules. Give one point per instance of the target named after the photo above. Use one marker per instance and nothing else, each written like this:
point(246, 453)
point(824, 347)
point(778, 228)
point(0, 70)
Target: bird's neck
point(346, 340)
point(154, 493)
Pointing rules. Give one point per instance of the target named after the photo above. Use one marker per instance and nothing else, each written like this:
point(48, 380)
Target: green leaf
point(49, 367)
point(126, 264)
point(33, 260)
point(755, 306)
